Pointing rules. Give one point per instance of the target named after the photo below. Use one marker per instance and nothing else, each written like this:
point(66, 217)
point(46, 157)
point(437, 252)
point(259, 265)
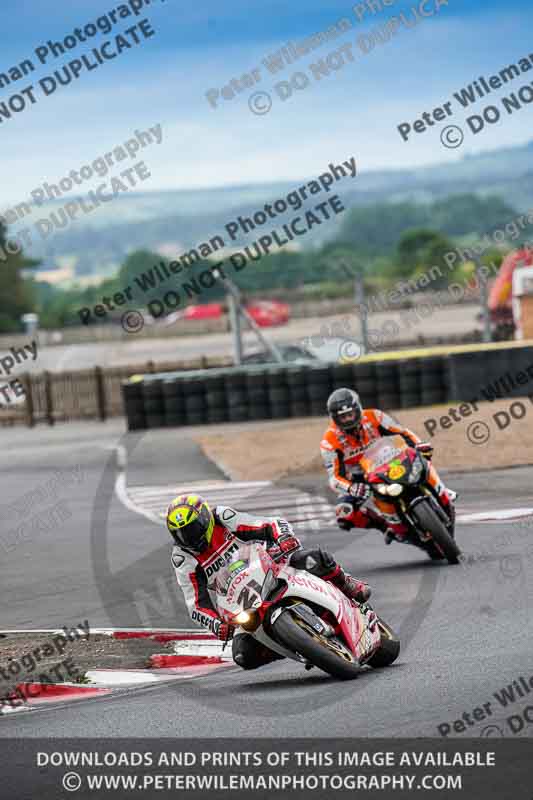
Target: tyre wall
point(259, 392)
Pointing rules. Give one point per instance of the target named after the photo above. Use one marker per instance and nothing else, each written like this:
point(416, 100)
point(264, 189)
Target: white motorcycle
point(300, 616)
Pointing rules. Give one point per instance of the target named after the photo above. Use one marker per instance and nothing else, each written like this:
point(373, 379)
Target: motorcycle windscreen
point(382, 452)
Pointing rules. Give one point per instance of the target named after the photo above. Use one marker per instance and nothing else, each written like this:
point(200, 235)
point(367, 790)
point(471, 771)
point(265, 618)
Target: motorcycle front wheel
point(389, 649)
point(328, 654)
point(442, 541)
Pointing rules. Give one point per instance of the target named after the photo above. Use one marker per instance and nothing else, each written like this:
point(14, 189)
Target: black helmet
point(345, 409)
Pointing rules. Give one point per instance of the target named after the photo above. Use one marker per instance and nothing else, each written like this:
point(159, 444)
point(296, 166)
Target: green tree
point(137, 262)
point(413, 243)
point(16, 296)
point(375, 230)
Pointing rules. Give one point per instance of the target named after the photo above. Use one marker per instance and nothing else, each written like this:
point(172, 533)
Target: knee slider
point(343, 510)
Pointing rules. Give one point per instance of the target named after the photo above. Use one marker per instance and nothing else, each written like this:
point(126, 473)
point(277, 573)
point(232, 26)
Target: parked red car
point(269, 312)
point(207, 311)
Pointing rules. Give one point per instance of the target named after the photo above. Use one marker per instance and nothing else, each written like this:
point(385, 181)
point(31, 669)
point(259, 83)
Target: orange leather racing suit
point(342, 452)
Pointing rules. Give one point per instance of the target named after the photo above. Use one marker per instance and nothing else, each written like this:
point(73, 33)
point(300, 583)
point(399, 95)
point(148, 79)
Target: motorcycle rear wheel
point(429, 521)
point(295, 635)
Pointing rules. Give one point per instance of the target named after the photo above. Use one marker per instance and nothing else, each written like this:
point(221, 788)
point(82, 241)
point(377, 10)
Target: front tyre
point(389, 649)
point(442, 541)
point(329, 655)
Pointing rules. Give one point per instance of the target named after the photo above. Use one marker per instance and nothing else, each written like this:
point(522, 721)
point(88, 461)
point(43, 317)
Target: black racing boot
point(382, 526)
point(351, 587)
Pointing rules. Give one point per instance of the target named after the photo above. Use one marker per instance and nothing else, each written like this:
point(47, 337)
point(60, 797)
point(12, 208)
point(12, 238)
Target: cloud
point(354, 111)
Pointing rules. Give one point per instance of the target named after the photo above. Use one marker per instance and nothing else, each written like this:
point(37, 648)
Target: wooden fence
point(85, 394)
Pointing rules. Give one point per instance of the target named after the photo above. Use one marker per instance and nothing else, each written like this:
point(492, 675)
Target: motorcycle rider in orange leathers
point(351, 430)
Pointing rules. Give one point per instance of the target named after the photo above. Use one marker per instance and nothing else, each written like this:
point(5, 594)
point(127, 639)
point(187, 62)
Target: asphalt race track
point(465, 630)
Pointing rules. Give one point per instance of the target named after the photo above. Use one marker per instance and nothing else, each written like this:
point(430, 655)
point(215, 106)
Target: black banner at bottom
point(265, 768)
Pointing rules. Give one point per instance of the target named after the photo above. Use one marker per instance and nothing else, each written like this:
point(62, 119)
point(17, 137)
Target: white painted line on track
point(499, 515)
point(122, 494)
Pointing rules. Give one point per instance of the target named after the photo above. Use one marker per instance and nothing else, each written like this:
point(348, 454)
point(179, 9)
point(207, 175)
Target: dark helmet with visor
point(345, 409)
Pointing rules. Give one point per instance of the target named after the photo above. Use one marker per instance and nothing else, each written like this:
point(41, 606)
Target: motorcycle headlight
point(394, 489)
point(249, 620)
point(382, 488)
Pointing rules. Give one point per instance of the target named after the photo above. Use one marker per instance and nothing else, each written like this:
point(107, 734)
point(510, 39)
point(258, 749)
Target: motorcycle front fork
point(447, 519)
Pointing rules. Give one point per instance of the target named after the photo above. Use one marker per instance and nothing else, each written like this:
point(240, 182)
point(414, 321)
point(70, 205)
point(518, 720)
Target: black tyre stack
point(281, 392)
point(278, 393)
point(216, 399)
point(388, 385)
point(342, 376)
point(173, 402)
point(195, 399)
point(257, 393)
point(319, 388)
point(299, 402)
point(153, 403)
point(410, 382)
point(132, 397)
point(237, 396)
point(433, 372)
point(364, 382)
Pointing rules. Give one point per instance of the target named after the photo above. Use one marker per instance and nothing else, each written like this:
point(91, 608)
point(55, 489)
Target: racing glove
point(224, 632)
point(288, 544)
point(283, 543)
point(360, 492)
point(284, 547)
point(425, 449)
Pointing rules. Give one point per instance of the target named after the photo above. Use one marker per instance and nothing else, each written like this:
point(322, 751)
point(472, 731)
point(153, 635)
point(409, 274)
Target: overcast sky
point(203, 45)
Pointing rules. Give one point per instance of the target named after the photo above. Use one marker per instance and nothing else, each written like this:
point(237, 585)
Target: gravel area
point(56, 658)
point(474, 441)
